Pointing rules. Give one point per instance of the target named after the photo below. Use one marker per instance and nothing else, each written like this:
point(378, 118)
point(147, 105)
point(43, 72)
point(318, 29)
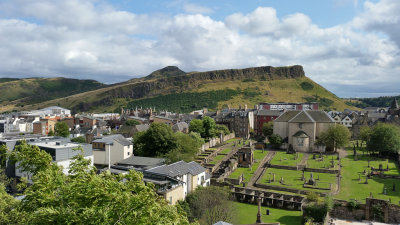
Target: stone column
point(259, 211)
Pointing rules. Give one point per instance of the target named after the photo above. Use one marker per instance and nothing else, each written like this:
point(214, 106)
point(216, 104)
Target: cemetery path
point(304, 159)
point(261, 169)
point(342, 153)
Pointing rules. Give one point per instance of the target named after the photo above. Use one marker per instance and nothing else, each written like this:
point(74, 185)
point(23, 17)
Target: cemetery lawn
point(217, 159)
point(225, 151)
point(322, 164)
point(247, 172)
point(292, 179)
point(247, 214)
point(352, 188)
point(231, 140)
point(287, 159)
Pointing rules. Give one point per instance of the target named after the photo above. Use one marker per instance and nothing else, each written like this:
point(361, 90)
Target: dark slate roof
point(180, 126)
point(179, 168)
point(142, 161)
point(302, 117)
point(320, 116)
point(125, 129)
point(286, 116)
point(264, 112)
point(111, 138)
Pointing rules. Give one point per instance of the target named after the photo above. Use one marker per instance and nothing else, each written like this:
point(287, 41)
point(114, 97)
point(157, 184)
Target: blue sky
point(351, 47)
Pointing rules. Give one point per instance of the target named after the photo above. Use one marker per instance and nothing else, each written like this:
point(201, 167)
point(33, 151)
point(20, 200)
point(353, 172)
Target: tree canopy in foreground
point(84, 197)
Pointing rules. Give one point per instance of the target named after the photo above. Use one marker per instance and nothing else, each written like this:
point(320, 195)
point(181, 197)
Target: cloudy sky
point(351, 47)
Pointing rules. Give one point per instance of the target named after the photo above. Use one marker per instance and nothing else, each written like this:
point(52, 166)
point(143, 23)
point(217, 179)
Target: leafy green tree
point(61, 129)
point(158, 140)
point(219, 128)
point(209, 126)
point(85, 197)
point(209, 205)
point(268, 129)
point(275, 140)
point(335, 137)
point(365, 133)
point(131, 123)
point(80, 139)
point(30, 158)
point(385, 138)
point(188, 146)
point(51, 133)
point(196, 126)
point(3, 156)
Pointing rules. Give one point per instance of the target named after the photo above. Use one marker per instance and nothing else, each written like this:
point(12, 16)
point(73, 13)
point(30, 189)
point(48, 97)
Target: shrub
point(306, 86)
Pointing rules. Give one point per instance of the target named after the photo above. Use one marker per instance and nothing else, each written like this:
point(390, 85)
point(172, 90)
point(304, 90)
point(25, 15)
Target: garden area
point(284, 159)
point(249, 172)
point(353, 182)
point(247, 214)
point(293, 179)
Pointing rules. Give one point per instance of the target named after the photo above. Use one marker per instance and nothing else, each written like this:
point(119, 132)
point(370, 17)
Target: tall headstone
point(259, 211)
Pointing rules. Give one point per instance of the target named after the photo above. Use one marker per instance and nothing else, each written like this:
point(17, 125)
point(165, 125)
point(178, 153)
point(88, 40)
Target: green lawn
point(247, 172)
point(322, 164)
point(292, 179)
point(217, 159)
point(230, 140)
point(281, 158)
point(352, 188)
point(247, 214)
point(225, 151)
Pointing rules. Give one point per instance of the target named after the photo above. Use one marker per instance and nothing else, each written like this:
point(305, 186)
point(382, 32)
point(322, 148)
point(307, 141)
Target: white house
point(111, 149)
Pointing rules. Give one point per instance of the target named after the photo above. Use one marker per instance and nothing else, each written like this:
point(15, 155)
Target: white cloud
point(195, 8)
point(93, 40)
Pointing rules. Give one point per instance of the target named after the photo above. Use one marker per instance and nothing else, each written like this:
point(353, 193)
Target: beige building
point(300, 129)
point(111, 148)
point(190, 176)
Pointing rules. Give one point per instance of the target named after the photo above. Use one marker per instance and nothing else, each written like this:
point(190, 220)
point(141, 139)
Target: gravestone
point(302, 176)
point(359, 177)
point(267, 212)
point(366, 180)
point(281, 181)
point(368, 163)
point(354, 150)
point(313, 156)
point(387, 167)
point(273, 177)
point(380, 167)
point(394, 187)
point(384, 191)
point(311, 181)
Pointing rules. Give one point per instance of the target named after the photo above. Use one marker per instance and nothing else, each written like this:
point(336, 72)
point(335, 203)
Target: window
point(300, 142)
point(300, 125)
point(170, 200)
point(129, 153)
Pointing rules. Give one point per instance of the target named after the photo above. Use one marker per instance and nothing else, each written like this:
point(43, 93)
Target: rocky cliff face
point(193, 80)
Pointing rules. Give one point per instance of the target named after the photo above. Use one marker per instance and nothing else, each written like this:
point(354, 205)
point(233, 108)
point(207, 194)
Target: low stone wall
point(282, 167)
point(390, 212)
point(233, 181)
point(341, 210)
point(387, 176)
point(321, 170)
point(215, 141)
point(279, 188)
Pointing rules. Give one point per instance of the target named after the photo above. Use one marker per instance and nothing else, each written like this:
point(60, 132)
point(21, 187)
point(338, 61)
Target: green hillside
point(21, 92)
point(174, 90)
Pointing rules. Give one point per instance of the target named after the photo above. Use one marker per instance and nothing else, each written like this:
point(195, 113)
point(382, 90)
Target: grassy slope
point(20, 92)
point(287, 90)
point(247, 214)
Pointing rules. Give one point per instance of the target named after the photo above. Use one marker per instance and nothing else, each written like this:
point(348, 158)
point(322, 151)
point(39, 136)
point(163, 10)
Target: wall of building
point(281, 129)
point(308, 128)
point(175, 195)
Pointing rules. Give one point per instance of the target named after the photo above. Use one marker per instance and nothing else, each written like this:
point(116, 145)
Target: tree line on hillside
point(384, 101)
point(185, 102)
